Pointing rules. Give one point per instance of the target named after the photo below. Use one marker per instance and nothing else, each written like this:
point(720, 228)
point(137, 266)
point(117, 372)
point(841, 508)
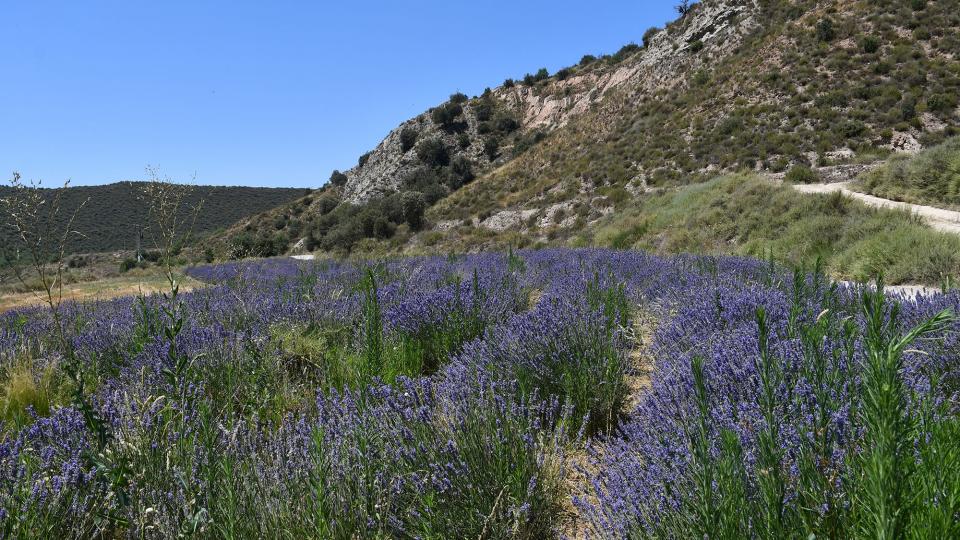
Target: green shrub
point(942, 102)
point(362, 160)
point(408, 138)
point(624, 52)
point(458, 97)
point(587, 59)
point(127, 264)
point(337, 178)
point(483, 110)
point(505, 123)
point(869, 44)
point(801, 174)
point(648, 35)
point(824, 30)
point(414, 205)
point(524, 142)
point(446, 115)
point(433, 152)
point(491, 148)
point(541, 75)
point(462, 169)
point(931, 177)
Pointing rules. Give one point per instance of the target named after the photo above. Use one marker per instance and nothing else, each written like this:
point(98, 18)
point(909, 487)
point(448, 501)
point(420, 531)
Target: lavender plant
point(428, 397)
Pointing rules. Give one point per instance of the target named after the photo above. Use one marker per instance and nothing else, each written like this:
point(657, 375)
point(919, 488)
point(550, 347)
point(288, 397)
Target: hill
point(732, 85)
point(113, 213)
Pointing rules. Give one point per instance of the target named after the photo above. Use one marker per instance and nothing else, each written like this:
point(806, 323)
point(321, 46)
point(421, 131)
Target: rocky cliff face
point(386, 165)
point(716, 26)
point(662, 63)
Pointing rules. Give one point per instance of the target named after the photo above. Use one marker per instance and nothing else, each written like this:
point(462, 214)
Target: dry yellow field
point(102, 289)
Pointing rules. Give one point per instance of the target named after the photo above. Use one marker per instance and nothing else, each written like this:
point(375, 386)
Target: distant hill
point(113, 212)
point(731, 85)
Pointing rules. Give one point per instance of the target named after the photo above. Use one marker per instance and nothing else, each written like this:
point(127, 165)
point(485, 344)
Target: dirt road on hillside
point(938, 218)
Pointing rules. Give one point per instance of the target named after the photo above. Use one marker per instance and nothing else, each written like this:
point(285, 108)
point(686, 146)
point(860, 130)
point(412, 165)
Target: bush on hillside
point(446, 115)
point(531, 79)
point(483, 110)
point(462, 172)
point(362, 160)
point(420, 179)
point(337, 178)
point(824, 30)
point(624, 52)
point(505, 122)
point(931, 177)
point(433, 152)
point(413, 204)
point(870, 44)
point(648, 35)
point(408, 138)
point(491, 148)
point(801, 174)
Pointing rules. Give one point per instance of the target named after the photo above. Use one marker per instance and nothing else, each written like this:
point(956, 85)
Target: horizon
point(242, 95)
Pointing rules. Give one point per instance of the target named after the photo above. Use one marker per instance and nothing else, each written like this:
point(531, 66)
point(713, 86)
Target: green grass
point(24, 386)
point(742, 214)
point(931, 177)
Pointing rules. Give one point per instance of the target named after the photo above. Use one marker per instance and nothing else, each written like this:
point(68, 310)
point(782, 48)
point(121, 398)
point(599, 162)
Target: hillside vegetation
point(931, 177)
point(815, 82)
point(731, 85)
point(114, 213)
point(743, 214)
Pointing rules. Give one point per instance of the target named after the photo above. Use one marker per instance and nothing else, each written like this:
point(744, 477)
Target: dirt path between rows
point(938, 218)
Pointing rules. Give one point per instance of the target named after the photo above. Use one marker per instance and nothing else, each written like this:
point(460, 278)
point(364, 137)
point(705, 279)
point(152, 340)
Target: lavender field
point(536, 394)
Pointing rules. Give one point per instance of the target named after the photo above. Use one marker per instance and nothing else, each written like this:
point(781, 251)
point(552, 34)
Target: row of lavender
point(790, 409)
point(441, 397)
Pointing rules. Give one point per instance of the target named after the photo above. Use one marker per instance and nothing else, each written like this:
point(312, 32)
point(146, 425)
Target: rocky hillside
point(763, 85)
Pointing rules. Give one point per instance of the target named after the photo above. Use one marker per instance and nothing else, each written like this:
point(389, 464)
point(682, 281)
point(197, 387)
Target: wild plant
point(771, 484)
point(885, 504)
point(43, 229)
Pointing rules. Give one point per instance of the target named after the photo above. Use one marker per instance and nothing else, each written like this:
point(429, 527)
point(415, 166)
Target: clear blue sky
point(270, 93)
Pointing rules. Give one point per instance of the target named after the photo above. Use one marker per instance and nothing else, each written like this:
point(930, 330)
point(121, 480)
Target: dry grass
point(22, 389)
point(103, 289)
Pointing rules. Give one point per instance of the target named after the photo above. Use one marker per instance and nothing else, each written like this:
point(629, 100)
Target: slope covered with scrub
point(761, 85)
point(746, 215)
